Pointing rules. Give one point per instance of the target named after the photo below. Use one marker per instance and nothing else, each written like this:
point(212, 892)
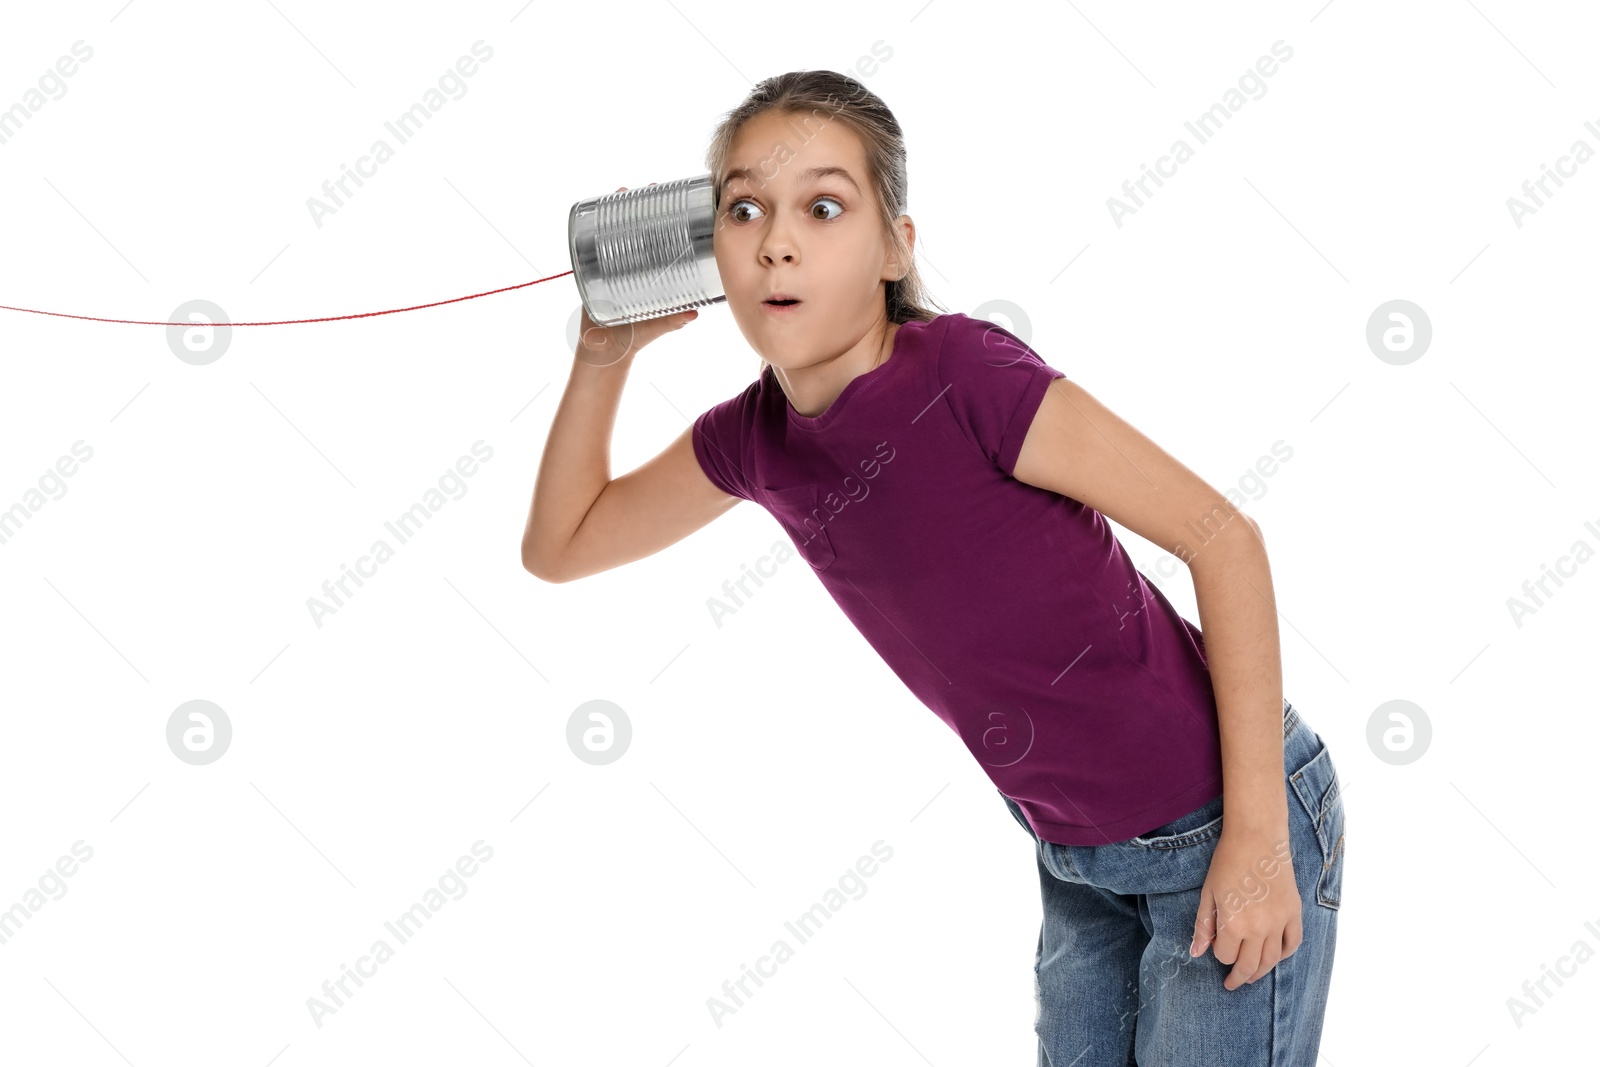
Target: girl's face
point(796, 220)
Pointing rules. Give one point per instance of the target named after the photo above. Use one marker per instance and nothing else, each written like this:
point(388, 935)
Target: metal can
point(645, 252)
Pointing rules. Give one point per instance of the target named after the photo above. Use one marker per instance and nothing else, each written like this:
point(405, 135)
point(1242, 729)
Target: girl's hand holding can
point(604, 345)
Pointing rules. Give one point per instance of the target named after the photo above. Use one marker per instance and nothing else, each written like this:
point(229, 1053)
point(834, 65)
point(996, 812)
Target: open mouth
point(781, 303)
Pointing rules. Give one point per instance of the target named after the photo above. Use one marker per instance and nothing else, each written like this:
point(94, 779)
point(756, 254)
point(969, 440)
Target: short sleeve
point(993, 384)
point(721, 439)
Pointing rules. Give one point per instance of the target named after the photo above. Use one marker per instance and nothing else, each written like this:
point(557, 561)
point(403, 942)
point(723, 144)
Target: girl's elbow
point(541, 568)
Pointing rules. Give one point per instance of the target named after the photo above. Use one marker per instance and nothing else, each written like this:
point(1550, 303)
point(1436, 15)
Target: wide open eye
point(733, 210)
point(828, 200)
point(752, 212)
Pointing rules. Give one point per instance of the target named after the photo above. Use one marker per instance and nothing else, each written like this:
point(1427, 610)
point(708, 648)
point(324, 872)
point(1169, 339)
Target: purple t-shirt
point(1011, 611)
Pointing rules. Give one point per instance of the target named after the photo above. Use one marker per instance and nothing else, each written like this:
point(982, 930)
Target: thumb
point(1205, 924)
point(661, 325)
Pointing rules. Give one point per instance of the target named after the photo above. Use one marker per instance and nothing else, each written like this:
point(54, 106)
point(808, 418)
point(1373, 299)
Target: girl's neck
point(812, 390)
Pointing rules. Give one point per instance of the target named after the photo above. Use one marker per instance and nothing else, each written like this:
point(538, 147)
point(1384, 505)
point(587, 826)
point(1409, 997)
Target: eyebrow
point(805, 175)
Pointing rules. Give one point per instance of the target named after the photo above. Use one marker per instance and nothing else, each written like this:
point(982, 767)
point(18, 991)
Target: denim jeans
point(1113, 976)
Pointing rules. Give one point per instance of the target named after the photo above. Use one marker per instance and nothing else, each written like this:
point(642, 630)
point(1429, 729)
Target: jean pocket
point(1196, 828)
point(1317, 786)
point(805, 521)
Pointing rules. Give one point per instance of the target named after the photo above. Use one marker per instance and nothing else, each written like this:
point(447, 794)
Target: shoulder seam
point(748, 408)
point(949, 410)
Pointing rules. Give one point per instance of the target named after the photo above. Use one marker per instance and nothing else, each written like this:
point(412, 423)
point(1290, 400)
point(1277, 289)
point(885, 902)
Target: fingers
point(647, 331)
point(1251, 956)
point(668, 323)
point(1205, 925)
point(1271, 954)
point(1227, 946)
point(1293, 935)
point(1247, 966)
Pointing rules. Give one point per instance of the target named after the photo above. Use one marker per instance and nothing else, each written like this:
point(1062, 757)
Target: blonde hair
point(844, 98)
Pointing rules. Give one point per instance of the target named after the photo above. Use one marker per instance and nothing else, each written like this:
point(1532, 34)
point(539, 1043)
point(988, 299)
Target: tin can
point(645, 252)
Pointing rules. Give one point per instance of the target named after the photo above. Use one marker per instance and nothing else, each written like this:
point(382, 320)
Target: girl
point(950, 490)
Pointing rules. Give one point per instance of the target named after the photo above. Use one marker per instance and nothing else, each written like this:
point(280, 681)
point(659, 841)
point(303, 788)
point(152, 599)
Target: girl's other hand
point(602, 346)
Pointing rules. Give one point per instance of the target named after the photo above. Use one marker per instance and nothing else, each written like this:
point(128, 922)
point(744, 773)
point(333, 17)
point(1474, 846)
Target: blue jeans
point(1115, 983)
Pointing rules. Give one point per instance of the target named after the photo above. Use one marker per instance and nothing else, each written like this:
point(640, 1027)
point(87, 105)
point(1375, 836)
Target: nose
point(778, 246)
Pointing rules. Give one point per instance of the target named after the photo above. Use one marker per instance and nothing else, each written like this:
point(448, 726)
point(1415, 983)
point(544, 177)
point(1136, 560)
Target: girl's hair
point(810, 93)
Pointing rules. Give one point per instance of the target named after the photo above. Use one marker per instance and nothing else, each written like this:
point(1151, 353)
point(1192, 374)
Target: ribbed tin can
point(645, 252)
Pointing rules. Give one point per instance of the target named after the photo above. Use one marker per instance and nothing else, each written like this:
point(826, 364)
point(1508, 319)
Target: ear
point(893, 268)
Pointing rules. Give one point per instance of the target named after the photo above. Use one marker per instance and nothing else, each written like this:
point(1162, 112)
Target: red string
point(285, 322)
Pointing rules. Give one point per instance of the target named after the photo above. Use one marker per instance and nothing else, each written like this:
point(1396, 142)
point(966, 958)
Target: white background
point(769, 753)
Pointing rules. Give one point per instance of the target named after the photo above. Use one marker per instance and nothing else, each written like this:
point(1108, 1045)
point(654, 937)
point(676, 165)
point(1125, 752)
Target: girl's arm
point(581, 520)
point(1077, 447)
